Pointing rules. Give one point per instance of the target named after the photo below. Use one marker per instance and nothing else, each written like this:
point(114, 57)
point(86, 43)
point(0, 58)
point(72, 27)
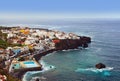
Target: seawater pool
point(30, 64)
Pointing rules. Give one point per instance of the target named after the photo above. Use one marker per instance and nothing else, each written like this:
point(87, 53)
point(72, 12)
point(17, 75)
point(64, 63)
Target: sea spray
point(46, 67)
point(104, 71)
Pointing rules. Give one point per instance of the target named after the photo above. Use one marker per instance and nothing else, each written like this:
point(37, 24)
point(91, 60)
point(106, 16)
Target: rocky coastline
point(65, 44)
point(60, 41)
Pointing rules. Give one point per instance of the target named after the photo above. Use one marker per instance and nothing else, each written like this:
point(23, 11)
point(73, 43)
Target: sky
point(57, 9)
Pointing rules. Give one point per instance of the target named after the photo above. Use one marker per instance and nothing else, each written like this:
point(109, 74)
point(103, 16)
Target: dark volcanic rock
point(85, 45)
point(100, 66)
point(37, 79)
point(65, 44)
point(85, 39)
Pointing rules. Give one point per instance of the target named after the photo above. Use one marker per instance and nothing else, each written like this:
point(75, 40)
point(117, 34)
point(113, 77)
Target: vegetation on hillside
point(9, 77)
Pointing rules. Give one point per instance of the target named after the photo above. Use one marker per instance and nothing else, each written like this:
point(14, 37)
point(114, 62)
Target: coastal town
point(22, 47)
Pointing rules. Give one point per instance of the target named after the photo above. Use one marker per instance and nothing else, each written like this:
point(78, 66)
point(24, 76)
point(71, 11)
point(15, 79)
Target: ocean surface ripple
point(79, 65)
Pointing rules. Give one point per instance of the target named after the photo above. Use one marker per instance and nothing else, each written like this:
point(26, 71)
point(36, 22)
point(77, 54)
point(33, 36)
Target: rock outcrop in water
point(100, 66)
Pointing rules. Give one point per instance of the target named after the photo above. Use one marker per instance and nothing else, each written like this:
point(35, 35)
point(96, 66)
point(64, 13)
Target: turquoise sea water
point(79, 65)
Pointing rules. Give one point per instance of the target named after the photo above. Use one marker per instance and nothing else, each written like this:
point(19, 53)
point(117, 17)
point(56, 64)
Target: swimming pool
point(30, 64)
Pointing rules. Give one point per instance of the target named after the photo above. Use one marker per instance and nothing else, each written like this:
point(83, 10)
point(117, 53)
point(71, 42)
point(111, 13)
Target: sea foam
point(46, 67)
point(104, 71)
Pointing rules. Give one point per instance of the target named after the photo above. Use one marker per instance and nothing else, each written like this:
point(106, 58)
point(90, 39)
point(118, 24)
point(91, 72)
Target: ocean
point(77, 64)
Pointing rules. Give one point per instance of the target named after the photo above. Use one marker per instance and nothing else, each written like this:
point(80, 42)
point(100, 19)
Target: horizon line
point(37, 16)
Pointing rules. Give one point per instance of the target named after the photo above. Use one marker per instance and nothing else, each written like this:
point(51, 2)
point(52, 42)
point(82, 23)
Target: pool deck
point(19, 72)
point(24, 66)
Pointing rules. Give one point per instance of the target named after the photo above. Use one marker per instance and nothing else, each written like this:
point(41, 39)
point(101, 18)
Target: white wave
point(71, 49)
point(94, 69)
point(75, 49)
point(103, 72)
point(46, 67)
point(66, 50)
point(40, 78)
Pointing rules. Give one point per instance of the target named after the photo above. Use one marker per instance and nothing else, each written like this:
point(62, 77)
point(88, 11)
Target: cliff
point(66, 44)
